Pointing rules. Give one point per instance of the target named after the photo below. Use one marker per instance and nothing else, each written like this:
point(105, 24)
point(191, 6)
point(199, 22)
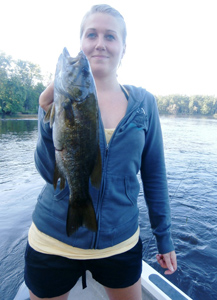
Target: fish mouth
point(73, 79)
point(79, 59)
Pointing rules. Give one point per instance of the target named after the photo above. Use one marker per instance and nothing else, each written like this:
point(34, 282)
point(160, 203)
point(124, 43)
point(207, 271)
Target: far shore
point(19, 116)
point(22, 116)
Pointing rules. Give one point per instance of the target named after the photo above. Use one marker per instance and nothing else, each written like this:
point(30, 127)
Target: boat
point(154, 287)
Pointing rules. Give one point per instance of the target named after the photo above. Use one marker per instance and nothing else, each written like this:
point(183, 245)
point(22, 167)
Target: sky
point(171, 44)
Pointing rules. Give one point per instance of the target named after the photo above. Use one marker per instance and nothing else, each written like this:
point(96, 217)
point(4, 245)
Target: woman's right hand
point(47, 97)
point(168, 261)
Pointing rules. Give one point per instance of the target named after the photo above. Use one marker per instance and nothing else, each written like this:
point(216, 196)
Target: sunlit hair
point(105, 9)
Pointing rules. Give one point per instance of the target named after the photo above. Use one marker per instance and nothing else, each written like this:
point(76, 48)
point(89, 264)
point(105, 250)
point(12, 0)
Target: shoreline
point(213, 117)
point(20, 116)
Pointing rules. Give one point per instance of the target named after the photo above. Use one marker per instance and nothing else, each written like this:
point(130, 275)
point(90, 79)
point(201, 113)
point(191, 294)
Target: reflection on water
point(17, 127)
point(17, 144)
point(190, 152)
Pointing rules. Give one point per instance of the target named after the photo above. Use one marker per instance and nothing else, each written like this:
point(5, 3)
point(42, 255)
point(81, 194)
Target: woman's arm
point(45, 152)
point(153, 174)
point(47, 96)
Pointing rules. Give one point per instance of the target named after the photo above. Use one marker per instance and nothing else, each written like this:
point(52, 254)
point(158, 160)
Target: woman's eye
point(91, 35)
point(110, 37)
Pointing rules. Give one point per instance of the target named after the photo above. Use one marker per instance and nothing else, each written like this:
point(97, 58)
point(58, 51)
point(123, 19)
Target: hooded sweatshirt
point(136, 145)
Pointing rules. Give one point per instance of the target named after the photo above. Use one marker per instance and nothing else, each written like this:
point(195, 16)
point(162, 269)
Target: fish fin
point(50, 114)
point(96, 174)
point(80, 213)
point(58, 175)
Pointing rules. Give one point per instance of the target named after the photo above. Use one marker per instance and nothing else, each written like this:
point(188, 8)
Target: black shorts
point(51, 276)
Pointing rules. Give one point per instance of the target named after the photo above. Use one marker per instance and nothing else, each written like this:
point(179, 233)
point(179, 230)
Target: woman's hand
point(47, 97)
point(168, 261)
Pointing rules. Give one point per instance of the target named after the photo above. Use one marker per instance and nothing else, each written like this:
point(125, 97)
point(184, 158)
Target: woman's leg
point(133, 292)
point(62, 297)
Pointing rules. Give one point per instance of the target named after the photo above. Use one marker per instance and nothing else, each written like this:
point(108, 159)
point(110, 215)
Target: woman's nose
point(100, 45)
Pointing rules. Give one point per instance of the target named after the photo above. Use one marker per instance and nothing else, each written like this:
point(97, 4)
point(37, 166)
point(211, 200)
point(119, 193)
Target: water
point(190, 152)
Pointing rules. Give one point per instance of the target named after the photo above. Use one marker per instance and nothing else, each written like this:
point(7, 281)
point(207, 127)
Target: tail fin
point(80, 213)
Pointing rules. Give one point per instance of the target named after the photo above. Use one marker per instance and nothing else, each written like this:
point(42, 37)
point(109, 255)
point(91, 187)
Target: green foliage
point(187, 105)
point(20, 85)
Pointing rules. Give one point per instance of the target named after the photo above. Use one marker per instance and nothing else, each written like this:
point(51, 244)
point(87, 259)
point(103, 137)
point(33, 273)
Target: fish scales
point(74, 118)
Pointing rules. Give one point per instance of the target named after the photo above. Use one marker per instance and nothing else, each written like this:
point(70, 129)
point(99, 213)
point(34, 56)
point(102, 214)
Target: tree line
point(187, 105)
point(21, 83)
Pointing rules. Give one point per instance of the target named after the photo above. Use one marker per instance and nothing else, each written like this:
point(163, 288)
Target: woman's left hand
point(168, 261)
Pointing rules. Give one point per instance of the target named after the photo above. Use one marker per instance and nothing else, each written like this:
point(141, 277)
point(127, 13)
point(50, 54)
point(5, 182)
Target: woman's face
point(102, 43)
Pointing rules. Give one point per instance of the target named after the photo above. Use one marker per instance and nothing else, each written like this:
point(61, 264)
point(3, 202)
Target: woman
point(130, 120)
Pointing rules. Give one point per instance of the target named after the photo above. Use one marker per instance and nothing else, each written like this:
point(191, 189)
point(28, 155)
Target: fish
point(74, 119)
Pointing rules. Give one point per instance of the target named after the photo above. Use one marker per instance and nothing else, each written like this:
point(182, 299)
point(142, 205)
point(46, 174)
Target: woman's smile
point(100, 56)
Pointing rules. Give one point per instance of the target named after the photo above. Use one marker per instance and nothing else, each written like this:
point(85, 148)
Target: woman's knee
point(133, 292)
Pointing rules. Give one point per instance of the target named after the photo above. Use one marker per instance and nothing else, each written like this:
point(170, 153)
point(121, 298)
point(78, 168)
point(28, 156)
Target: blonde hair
point(105, 9)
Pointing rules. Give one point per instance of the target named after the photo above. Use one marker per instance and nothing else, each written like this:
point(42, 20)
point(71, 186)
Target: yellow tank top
point(108, 134)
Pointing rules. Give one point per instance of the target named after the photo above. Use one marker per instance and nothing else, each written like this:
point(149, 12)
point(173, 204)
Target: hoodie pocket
point(120, 196)
point(60, 203)
point(132, 188)
point(61, 194)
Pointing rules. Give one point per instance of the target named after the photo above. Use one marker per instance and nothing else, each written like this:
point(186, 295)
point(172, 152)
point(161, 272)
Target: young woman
point(130, 141)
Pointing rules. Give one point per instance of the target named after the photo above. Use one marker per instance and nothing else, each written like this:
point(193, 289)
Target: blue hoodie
point(136, 145)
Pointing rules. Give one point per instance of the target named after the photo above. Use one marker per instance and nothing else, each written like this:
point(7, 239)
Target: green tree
point(13, 98)
point(30, 76)
point(214, 106)
point(5, 64)
point(20, 85)
point(207, 106)
point(185, 105)
point(162, 103)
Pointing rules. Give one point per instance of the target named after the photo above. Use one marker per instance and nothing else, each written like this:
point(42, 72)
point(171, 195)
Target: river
point(191, 160)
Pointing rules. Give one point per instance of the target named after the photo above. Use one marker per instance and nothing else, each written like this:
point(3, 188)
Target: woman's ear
point(124, 50)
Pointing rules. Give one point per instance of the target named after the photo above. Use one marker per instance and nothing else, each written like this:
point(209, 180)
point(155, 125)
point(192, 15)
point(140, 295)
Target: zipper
point(106, 150)
point(102, 189)
point(107, 147)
